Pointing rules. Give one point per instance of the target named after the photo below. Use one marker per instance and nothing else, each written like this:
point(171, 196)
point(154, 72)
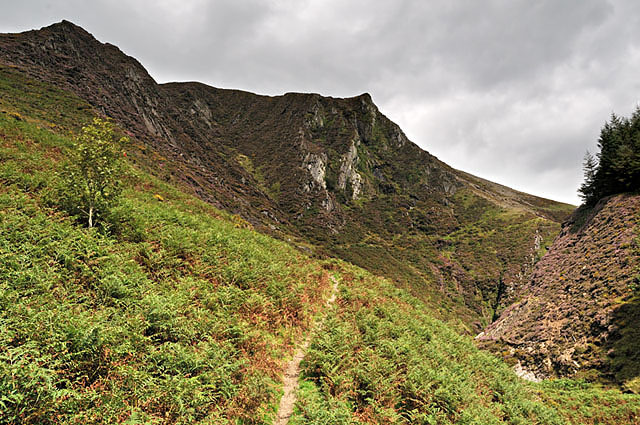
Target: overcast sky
point(514, 91)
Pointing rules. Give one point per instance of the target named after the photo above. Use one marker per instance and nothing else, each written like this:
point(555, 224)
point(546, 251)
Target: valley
point(259, 234)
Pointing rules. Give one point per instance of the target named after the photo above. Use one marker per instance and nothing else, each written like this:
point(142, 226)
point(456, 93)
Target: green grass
point(583, 403)
point(175, 312)
point(382, 358)
point(41, 103)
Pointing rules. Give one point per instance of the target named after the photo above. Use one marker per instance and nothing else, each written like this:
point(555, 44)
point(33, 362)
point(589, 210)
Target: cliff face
point(336, 175)
point(579, 313)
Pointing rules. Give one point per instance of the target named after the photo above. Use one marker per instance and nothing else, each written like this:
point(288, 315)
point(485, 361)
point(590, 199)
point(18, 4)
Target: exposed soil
point(292, 374)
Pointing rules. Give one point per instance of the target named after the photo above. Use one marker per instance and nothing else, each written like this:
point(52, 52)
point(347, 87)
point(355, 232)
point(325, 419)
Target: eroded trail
point(292, 373)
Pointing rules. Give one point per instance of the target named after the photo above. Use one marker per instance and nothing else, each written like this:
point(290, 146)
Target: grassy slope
point(466, 254)
point(180, 314)
point(381, 358)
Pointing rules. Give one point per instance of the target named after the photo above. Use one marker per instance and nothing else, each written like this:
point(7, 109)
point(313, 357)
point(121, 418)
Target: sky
point(514, 91)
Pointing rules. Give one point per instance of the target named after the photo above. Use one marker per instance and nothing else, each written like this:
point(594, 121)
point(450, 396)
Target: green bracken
point(381, 358)
point(176, 312)
point(173, 315)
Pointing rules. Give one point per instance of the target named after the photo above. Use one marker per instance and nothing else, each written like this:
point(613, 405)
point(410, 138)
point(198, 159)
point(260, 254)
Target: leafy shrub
point(90, 179)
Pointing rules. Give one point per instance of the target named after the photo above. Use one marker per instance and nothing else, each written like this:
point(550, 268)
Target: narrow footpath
point(292, 374)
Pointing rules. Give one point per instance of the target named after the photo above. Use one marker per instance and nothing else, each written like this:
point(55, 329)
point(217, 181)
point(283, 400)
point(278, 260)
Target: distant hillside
point(579, 314)
point(179, 313)
point(335, 176)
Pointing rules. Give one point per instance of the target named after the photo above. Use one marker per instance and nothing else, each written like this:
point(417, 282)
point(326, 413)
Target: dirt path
point(292, 373)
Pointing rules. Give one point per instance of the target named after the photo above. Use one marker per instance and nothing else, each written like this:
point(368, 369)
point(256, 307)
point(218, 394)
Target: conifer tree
point(587, 190)
point(617, 168)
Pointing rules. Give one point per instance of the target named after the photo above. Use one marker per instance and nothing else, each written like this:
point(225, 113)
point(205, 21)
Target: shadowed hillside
point(577, 315)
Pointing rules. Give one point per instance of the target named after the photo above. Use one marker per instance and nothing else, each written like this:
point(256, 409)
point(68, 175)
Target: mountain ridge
point(334, 175)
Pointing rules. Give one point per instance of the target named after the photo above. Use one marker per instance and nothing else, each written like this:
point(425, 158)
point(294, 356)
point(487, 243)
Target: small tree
point(587, 189)
point(90, 179)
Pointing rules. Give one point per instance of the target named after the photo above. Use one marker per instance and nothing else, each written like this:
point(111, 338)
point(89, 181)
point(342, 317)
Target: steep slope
point(179, 313)
point(335, 175)
point(579, 312)
point(382, 359)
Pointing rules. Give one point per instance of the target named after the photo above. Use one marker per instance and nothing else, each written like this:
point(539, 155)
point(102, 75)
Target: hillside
point(335, 176)
point(579, 316)
point(177, 312)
